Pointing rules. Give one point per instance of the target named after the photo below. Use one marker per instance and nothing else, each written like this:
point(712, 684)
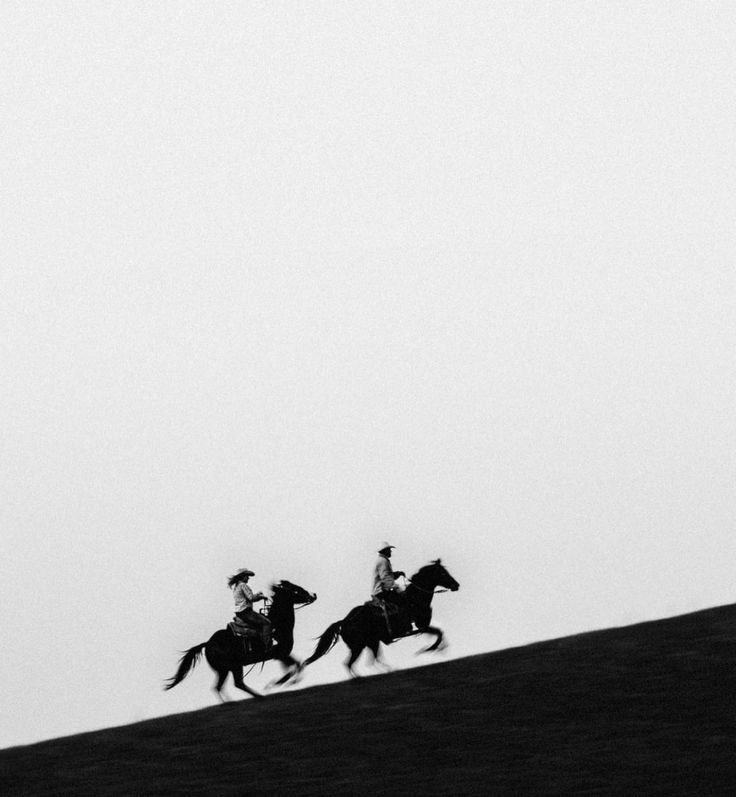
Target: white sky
point(281, 280)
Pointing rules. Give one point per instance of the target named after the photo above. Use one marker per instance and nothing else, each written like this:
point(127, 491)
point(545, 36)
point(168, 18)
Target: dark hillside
point(645, 709)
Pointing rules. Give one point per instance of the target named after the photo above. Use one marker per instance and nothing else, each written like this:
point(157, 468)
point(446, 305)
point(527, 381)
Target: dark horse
point(366, 626)
point(224, 651)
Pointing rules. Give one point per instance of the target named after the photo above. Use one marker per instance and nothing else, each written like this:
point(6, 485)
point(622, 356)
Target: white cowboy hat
point(385, 546)
point(245, 572)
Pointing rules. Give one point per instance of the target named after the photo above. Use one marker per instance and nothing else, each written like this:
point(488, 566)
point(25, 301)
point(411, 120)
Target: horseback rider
point(386, 590)
point(244, 600)
point(385, 586)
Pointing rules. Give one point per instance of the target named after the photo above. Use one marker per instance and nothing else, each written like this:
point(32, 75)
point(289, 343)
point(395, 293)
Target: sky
point(281, 281)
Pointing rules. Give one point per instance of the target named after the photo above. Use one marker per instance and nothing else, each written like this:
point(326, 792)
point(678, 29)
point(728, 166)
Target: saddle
point(382, 607)
point(398, 621)
point(251, 637)
point(241, 629)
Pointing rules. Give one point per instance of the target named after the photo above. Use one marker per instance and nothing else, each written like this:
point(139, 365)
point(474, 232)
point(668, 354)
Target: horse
point(225, 652)
point(367, 625)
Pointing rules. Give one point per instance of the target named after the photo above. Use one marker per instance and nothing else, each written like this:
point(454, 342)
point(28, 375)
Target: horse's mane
point(421, 570)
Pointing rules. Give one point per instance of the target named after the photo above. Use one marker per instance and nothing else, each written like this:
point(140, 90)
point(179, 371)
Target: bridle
point(301, 604)
point(296, 604)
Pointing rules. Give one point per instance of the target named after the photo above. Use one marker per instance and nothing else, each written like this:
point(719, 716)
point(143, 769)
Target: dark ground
point(645, 709)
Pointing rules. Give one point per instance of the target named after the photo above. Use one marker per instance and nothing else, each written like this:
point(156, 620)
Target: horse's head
point(294, 593)
point(436, 574)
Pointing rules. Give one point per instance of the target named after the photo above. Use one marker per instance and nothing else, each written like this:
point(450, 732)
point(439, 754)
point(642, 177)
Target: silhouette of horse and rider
point(392, 613)
point(250, 639)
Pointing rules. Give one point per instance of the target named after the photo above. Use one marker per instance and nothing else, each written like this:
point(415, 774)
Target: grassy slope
point(645, 709)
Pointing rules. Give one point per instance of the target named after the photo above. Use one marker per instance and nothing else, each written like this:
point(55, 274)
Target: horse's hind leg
point(354, 653)
point(240, 683)
point(375, 648)
point(217, 688)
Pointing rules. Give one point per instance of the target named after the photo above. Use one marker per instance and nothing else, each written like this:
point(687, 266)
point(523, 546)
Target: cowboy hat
point(245, 572)
point(385, 547)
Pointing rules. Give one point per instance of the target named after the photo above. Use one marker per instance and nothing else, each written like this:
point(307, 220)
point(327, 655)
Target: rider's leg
point(398, 620)
point(257, 620)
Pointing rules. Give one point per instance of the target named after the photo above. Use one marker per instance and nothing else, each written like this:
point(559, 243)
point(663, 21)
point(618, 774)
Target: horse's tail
point(327, 641)
point(186, 664)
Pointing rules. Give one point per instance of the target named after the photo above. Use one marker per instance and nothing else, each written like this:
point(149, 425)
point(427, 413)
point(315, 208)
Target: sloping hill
point(645, 709)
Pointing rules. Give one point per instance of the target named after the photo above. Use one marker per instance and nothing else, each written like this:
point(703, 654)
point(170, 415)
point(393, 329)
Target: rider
point(244, 600)
point(385, 587)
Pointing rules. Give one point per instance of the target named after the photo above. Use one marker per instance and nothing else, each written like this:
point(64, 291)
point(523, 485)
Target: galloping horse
point(225, 653)
point(367, 626)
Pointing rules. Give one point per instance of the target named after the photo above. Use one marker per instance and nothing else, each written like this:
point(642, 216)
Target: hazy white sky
point(281, 280)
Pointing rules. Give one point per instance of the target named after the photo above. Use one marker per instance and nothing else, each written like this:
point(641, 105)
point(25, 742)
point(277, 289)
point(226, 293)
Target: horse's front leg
point(293, 672)
point(438, 644)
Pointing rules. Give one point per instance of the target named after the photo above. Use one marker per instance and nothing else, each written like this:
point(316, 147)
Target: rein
point(428, 591)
